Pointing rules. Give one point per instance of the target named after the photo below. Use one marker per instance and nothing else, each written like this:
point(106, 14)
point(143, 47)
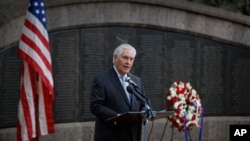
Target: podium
point(138, 116)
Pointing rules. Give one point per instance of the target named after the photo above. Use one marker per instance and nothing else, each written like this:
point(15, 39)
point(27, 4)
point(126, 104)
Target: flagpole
point(37, 103)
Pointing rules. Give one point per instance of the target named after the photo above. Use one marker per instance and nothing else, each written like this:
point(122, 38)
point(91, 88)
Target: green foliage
point(238, 6)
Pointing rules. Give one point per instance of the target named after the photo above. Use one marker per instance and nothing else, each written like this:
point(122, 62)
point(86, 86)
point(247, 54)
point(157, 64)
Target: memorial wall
point(218, 71)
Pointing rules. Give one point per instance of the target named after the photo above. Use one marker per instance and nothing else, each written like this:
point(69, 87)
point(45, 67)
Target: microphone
point(130, 89)
point(129, 80)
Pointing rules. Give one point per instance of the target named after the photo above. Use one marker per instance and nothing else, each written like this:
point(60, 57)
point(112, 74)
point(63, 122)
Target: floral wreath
point(186, 104)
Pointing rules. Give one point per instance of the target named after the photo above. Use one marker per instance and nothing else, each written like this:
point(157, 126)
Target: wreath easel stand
point(172, 132)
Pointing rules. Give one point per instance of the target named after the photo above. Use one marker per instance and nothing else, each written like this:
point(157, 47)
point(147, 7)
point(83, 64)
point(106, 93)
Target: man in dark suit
point(109, 98)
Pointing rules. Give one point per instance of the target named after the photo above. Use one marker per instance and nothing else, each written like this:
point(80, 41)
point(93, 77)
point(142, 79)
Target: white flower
point(176, 104)
point(169, 97)
point(191, 108)
point(194, 92)
point(189, 86)
point(189, 116)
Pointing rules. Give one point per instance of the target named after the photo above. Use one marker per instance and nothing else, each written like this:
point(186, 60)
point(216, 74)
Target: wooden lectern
point(139, 116)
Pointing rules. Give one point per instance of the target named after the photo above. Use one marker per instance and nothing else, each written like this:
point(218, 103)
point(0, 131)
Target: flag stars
point(36, 7)
point(42, 4)
point(37, 11)
point(35, 4)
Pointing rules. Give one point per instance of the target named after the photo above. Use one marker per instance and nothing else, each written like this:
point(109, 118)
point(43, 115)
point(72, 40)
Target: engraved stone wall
point(219, 72)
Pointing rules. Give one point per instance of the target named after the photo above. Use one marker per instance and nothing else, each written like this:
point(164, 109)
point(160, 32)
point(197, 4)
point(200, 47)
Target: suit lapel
point(117, 83)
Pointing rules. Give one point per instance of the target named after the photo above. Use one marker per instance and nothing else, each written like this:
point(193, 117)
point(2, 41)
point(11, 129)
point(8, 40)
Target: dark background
point(219, 72)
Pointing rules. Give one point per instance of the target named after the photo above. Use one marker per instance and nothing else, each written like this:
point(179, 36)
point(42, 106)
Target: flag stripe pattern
point(35, 114)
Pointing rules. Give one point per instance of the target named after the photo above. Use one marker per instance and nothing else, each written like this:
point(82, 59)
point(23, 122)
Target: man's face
point(124, 61)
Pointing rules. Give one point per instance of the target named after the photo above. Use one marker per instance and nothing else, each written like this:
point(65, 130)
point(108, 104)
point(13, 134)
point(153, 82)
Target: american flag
point(35, 114)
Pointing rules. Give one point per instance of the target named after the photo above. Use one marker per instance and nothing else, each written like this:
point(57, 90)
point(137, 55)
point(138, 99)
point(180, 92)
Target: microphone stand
point(149, 114)
point(148, 111)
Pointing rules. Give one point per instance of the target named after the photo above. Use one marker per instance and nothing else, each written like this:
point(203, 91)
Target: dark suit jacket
point(108, 99)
